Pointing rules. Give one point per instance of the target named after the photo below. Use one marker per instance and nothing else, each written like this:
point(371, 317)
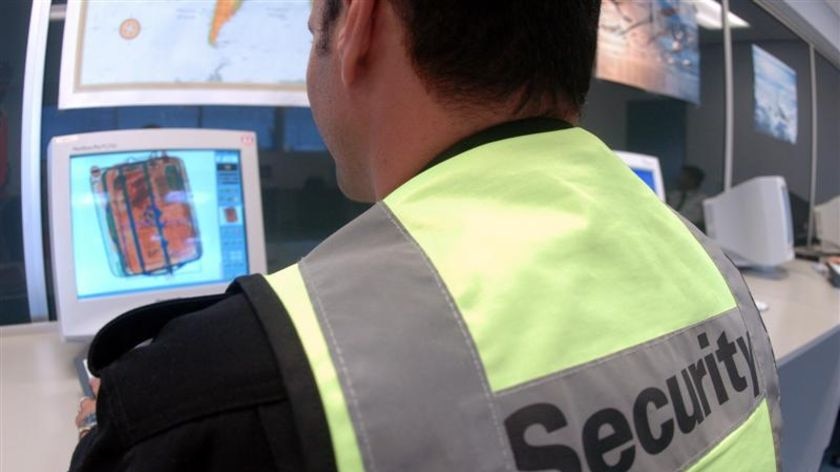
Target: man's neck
point(408, 142)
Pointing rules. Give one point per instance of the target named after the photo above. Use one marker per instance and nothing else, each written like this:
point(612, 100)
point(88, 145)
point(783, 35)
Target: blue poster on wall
point(775, 96)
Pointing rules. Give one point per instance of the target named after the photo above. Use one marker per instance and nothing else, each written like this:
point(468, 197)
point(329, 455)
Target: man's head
point(691, 178)
point(516, 59)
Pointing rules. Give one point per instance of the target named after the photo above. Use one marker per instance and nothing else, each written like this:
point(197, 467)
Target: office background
point(302, 204)
point(301, 201)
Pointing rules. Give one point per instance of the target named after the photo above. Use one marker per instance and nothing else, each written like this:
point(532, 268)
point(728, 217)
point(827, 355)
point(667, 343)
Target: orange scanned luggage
point(146, 215)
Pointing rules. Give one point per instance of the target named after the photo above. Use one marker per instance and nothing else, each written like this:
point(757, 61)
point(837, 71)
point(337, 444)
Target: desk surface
point(39, 396)
point(39, 390)
point(803, 307)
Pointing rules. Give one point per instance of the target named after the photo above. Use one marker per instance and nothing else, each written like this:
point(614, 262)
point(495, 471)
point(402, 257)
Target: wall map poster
point(775, 96)
point(173, 52)
point(652, 45)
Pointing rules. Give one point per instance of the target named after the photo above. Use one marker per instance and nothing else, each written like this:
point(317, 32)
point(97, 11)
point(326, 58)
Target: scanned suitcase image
point(146, 215)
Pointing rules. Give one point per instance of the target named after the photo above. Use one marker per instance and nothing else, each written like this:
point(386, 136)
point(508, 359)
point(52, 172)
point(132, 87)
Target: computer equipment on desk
point(752, 222)
point(833, 266)
point(139, 216)
point(647, 168)
point(827, 223)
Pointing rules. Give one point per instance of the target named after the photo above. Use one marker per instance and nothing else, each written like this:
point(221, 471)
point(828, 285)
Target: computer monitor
point(827, 221)
point(752, 222)
point(647, 168)
point(139, 216)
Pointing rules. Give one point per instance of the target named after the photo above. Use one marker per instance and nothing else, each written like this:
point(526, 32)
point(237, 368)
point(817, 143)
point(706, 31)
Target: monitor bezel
point(645, 162)
point(80, 319)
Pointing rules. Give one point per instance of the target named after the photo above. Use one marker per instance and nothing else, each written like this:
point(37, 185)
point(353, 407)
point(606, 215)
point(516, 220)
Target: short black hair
point(332, 9)
point(487, 51)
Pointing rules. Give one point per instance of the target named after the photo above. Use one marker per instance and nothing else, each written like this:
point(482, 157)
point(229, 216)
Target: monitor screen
point(140, 216)
point(156, 219)
point(647, 177)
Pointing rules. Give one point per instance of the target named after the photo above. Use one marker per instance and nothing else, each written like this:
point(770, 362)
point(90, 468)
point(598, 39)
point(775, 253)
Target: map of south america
point(224, 11)
point(186, 51)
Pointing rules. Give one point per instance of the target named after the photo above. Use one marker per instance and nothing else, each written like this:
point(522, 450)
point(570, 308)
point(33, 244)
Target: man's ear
point(354, 41)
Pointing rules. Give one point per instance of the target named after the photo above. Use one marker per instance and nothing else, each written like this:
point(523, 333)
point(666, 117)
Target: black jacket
point(205, 395)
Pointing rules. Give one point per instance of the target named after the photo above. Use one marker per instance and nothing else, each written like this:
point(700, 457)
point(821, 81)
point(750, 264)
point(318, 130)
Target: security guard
point(518, 300)
point(553, 315)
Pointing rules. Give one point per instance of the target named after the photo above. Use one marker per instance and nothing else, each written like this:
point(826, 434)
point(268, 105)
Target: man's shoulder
point(207, 355)
point(140, 325)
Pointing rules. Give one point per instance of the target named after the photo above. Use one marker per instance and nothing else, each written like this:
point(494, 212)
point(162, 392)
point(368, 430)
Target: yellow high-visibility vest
point(529, 304)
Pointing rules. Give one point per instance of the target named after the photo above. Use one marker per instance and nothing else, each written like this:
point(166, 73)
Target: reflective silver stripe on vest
point(661, 405)
point(688, 390)
point(764, 357)
point(429, 406)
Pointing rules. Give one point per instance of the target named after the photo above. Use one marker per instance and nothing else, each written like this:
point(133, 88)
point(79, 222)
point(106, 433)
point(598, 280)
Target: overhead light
point(709, 17)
